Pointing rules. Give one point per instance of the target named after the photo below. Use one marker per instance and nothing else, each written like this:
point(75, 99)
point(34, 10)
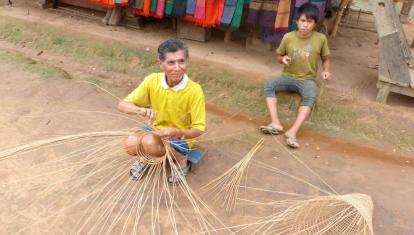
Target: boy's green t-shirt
point(304, 54)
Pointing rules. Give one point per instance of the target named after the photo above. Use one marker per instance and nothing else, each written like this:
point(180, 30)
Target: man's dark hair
point(171, 45)
point(310, 11)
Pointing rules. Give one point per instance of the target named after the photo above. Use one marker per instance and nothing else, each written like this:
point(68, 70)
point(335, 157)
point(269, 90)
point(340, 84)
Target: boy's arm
point(326, 65)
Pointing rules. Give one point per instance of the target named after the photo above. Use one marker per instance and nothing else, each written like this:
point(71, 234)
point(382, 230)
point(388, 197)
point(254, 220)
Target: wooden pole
point(338, 17)
point(405, 10)
point(227, 35)
point(406, 7)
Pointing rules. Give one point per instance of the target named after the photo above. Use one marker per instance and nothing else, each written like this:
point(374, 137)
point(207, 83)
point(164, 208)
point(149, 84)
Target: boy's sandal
point(292, 141)
point(179, 176)
point(270, 130)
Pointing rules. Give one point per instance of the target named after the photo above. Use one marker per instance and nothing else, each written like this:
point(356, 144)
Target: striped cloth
point(262, 13)
point(283, 15)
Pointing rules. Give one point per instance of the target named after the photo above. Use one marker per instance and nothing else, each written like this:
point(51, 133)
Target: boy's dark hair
point(309, 10)
point(171, 45)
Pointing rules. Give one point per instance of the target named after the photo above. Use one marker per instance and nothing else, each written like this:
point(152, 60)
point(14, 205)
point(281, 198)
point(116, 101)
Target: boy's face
point(174, 66)
point(305, 25)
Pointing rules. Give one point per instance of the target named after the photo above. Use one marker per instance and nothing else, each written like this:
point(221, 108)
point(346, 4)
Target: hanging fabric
point(159, 13)
point(212, 13)
point(153, 6)
point(228, 12)
point(200, 11)
point(179, 7)
point(283, 15)
point(169, 7)
point(235, 22)
point(262, 13)
point(191, 5)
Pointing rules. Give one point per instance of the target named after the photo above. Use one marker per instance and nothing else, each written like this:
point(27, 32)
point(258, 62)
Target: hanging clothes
point(228, 12)
point(262, 13)
point(200, 11)
point(235, 22)
point(283, 15)
point(159, 13)
point(179, 7)
point(191, 5)
point(169, 7)
point(153, 6)
point(212, 14)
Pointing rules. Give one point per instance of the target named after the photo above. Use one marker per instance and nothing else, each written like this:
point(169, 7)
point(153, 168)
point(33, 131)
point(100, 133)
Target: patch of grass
point(42, 70)
point(89, 50)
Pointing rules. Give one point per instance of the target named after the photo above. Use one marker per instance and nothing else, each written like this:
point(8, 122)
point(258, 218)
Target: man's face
point(305, 25)
point(174, 66)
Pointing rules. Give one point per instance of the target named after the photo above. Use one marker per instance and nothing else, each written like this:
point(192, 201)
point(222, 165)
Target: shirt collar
point(180, 86)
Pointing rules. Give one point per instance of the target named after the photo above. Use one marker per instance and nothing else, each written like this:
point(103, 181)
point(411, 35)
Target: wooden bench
point(395, 60)
point(197, 157)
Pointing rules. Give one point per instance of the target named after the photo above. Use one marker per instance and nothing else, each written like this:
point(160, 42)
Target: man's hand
point(286, 60)
point(326, 76)
point(151, 114)
point(170, 132)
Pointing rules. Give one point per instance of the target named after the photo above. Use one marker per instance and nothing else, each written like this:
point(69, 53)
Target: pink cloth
point(159, 13)
point(200, 11)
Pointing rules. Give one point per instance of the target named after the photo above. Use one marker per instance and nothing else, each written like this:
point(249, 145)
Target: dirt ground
point(348, 167)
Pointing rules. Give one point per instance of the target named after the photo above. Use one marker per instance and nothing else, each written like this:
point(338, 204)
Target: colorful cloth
point(179, 7)
point(212, 14)
point(191, 5)
point(262, 13)
point(169, 7)
point(228, 12)
point(235, 22)
point(283, 15)
point(153, 6)
point(159, 13)
point(200, 11)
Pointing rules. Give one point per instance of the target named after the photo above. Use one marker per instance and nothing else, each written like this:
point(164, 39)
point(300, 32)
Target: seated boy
point(174, 106)
point(299, 51)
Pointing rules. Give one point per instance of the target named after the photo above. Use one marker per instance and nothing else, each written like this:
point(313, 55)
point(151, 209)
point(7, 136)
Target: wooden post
point(227, 35)
point(174, 23)
point(140, 22)
point(55, 3)
point(405, 10)
point(338, 17)
point(406, 7)
point(383, 93)
point(105, 20)
point(116, 15)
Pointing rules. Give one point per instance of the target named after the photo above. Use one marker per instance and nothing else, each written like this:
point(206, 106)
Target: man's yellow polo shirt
point(182, 106)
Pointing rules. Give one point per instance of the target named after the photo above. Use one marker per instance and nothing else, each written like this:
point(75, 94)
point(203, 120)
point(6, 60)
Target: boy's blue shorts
point(180, 146)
